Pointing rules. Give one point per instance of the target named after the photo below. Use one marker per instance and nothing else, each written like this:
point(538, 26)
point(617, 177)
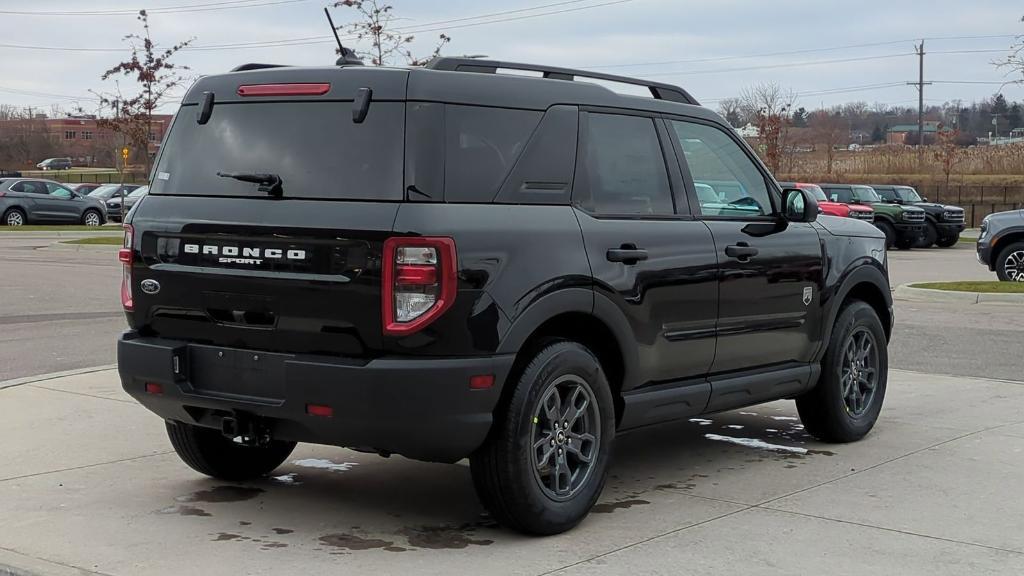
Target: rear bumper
point(422, 408)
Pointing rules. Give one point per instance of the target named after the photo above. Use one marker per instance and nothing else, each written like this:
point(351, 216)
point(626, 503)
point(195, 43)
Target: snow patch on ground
point(749, 413)
point(756, 443)
point(734, 426)
point(325, 464)
point(784, 418)
point(700, 421)
point(286, 479)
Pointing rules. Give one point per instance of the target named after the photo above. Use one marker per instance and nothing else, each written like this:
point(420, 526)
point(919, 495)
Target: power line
point(789, 65)
point(204, 7)
point(414, 29)
point(313, 40)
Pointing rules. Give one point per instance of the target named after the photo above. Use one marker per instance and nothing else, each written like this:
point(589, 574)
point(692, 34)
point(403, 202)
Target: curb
point(17, 564)
point(906, 292)
point(52, 376)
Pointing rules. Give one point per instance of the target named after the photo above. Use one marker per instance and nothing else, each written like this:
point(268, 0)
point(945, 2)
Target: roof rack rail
point(658, 90)
point(256, 66)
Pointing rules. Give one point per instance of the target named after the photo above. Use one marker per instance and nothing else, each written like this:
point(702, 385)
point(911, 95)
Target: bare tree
point(387, 44)
point(768, 104)
point(829, 129)
point(732, 110)
point(1014, 61)
point(947, 153)
point(155, 76)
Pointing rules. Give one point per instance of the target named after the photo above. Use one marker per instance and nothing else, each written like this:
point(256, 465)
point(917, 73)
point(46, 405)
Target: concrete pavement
point(88, 484)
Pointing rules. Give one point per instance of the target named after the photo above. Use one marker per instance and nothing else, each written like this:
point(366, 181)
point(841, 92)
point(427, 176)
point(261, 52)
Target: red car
point(857, 211)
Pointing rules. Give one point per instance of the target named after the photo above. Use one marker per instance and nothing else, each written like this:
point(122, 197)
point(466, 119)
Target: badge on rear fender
point(808, 295)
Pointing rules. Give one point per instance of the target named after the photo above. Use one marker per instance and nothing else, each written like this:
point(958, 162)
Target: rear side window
point(315, 147)
point(481, 147)
point(625, 167)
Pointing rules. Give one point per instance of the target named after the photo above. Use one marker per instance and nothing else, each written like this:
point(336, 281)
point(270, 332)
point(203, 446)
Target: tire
point(928, 237)
point(92, 218)
point(889, 231)
point(533, 497)
point(1010, 264)
point(208, 452)
point(827, 413)
point(14, 217)
point(948, 241)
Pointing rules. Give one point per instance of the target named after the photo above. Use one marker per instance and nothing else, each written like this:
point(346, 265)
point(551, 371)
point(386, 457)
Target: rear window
point(315, 148)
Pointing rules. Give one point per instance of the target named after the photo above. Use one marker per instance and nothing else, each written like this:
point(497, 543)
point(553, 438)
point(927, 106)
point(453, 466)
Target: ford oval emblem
point(150, 286)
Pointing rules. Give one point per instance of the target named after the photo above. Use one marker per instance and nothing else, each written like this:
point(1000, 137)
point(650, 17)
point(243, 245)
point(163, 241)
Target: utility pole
point(919, 50)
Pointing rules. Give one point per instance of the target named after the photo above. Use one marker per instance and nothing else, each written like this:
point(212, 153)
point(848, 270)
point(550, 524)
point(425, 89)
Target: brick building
point(78, 138)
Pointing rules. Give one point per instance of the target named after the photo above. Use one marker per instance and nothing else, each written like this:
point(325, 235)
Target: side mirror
point(799, 205)
point(924, 198)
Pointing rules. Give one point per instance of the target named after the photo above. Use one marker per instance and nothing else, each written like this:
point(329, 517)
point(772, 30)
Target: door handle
point(628, 254)
point(741, 251)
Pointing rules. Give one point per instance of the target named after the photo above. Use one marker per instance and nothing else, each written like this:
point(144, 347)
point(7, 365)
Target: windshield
point(139, 192)
point(867, 194)
point(105, 192)
point(908, 194)
point(314, 147)
point(815, 190)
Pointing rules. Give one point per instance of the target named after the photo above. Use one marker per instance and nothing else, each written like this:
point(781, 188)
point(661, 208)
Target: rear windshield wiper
point(269, 183)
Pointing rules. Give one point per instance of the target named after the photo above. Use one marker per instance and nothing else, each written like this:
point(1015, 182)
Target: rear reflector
point(127, 255)
point(154, 388)
point(319, 410)
point(481, 382)
point(284, 89)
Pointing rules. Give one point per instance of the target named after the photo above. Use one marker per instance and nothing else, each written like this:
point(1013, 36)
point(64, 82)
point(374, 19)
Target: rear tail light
point(127, 256)
point(419, 282)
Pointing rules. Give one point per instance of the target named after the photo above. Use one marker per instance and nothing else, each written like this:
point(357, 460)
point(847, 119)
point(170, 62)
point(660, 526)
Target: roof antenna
point(348, 57)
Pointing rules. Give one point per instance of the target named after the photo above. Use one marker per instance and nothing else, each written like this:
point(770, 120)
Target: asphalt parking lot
point(91, 486)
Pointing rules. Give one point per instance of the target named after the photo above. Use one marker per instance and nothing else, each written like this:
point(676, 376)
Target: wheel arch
point(867, 284)
point(20, 208)
point(582, 316)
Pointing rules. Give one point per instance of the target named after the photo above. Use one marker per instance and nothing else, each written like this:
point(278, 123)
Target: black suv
point(447, 262)
point(1001, 244)
point(943, 223)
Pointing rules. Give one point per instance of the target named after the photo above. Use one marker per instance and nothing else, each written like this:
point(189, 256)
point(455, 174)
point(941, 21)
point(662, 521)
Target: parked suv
point(447, 262)
point(943, 223)
point(901, 224)
point(857, 211)
point(1001, 245)
point(35, 201)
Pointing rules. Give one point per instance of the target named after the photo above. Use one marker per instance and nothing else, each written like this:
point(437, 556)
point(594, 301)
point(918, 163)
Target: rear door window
point(625, 167)
point(315, 148)
point(30, 187)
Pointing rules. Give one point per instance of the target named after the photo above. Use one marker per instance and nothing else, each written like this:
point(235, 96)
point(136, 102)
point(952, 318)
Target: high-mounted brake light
point(419, 282)
point(317, 89)
point(127, 256)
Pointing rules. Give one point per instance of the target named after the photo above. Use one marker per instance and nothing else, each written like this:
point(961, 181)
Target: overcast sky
point(828, 52)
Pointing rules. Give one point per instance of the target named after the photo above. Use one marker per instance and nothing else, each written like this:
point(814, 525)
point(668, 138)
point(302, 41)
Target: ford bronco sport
point(447, 262)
